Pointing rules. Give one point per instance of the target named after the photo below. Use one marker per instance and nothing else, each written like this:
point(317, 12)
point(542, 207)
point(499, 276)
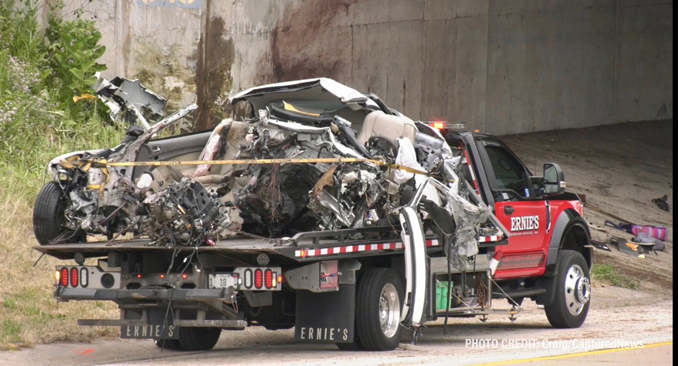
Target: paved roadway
point(650, 325)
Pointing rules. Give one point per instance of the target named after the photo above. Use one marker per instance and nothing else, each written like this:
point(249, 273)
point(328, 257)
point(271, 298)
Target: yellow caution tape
point(88, 163)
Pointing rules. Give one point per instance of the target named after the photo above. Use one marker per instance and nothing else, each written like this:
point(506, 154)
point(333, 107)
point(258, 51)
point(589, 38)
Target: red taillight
point(74, 277)
point(258, 278)
point(269, 278)
point(64, 277)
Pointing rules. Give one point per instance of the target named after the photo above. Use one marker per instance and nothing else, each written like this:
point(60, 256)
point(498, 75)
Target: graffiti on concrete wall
point(196, 4)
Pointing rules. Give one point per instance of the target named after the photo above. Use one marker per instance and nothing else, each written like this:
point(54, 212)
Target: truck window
point(509, 172)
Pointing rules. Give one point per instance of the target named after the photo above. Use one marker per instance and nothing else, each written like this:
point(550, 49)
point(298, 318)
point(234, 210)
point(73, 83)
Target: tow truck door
point(515, 205)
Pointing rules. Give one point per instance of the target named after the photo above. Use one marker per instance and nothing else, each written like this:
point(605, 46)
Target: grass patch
point(39, 121)
point(606, 273)
point(28, 311)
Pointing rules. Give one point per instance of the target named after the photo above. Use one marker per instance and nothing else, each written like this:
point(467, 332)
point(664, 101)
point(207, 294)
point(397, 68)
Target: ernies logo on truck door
point(524, 225)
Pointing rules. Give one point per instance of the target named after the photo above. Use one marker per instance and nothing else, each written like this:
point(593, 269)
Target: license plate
point(223, 280)
point(153, 331)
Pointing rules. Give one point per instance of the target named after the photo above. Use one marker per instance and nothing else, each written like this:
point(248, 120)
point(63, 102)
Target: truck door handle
point(509, 210)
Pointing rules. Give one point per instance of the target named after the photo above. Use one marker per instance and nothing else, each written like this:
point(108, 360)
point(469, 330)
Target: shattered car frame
point(309, 128)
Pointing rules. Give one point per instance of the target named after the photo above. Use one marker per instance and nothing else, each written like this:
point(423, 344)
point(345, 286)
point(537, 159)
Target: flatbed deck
point(301, 247)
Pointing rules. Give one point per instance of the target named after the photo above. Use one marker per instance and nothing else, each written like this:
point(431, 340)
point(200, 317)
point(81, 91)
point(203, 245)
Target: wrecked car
point(196, 189)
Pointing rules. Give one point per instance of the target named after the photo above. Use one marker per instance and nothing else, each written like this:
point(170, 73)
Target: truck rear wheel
point(198, 338)
point(573, 291)
point(378, 306)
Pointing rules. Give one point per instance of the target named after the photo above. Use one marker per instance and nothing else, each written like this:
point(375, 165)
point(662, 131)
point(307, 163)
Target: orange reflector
point(280, 278)
point(304, 253)
point(476, 131)
point(184, 276)
point(139, 276)
point(438, 125)
point(162, 276)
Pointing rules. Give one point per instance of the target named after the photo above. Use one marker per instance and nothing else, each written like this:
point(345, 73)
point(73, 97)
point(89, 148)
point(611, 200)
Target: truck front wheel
point(378, 305)
point(573, 291)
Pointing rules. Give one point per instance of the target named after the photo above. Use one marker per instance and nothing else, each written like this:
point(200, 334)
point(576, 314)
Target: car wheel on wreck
point(48, 217)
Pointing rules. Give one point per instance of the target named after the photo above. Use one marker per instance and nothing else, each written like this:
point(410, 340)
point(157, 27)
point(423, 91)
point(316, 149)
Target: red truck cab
point(549, 252)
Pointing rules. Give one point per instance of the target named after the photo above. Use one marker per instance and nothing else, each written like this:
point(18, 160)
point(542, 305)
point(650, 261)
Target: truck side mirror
point(554, 179)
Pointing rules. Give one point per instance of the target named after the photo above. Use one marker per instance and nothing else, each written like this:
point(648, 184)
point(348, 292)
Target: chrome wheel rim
point(577, 290)
point(389, 310)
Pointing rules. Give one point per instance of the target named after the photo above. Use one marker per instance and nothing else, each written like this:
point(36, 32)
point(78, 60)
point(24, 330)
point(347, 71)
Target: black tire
point(172, 344)
point(567, 296)
point(48, 215)
point(198, 338)
point(368, 326)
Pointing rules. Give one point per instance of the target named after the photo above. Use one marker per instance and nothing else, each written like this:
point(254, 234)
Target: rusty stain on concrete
point(214, 57)
point(309, 29)
point(127, 41)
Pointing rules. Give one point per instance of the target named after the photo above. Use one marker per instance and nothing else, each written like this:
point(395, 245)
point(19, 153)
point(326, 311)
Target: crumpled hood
point(319, 89)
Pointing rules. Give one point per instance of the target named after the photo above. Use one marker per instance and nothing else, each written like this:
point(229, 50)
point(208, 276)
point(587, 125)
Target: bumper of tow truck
point(226, 295)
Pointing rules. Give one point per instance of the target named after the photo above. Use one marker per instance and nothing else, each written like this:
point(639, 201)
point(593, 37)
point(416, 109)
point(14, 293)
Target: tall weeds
point(40, 72)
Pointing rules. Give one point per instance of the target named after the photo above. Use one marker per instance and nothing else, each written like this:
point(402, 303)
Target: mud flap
point(415, 267)
point(327, 317)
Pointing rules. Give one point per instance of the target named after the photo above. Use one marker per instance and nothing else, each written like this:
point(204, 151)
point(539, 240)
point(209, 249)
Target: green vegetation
point(40, 73)
point(607, 273)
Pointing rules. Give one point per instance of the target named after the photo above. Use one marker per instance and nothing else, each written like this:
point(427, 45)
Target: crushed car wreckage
point(314, 155)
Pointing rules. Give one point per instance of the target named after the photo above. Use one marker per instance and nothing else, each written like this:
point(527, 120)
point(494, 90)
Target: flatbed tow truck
point(362, 294)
